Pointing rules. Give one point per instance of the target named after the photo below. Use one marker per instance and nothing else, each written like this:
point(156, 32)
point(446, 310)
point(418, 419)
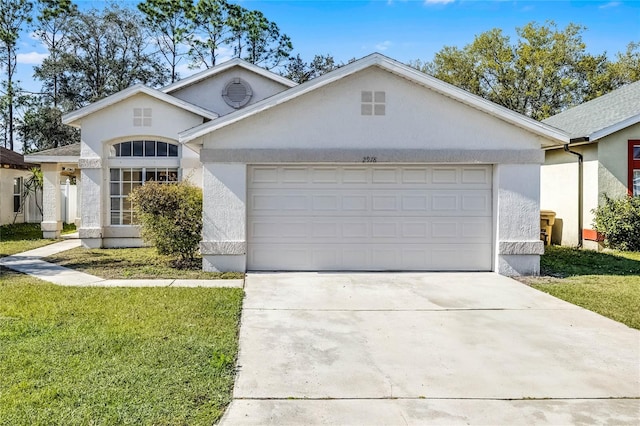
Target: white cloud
point(383, 46)
point(438, 1)
point(610, 5)
point(31, 58)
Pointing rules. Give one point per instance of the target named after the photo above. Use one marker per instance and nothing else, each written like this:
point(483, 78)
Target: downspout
point(580, 186)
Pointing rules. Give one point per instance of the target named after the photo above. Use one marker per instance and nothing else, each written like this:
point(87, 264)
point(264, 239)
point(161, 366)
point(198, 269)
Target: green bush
point(171, 218)
point(619, 221)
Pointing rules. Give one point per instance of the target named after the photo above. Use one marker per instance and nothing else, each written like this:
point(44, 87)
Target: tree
point(32, 186)
point(170, 215)
point(54, 19)
point(299, 71)
point(41, 128)
point(14, 14)
point(210, 32)
point(543, 73)
point(265, 45)
point(106, 51)
point(170, 22)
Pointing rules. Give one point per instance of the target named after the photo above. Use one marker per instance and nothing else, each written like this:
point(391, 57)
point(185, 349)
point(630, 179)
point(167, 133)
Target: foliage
point(171, 217)
point(544, 72)
point(264, 44)
point(75, 356)
point(133, 263)
point(299, 71)
point(170, 23)
point(619, 221)
point(14, 16)
point(105, 51)
point(41, 128)
point(32, 186)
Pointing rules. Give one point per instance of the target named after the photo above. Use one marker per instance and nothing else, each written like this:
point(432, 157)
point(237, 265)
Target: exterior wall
point(419, 126)
point(208, 93)
point(612, 153)
point(605, 172)
point(416, 117)
point(6, 195)
point(115, 124)
point(559, 190)
point(51, 220)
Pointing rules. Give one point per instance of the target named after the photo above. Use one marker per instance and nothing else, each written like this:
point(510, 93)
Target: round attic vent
point(237, 93)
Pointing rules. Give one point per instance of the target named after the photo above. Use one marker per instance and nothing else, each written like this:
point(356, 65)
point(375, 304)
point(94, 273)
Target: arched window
point(145, 149)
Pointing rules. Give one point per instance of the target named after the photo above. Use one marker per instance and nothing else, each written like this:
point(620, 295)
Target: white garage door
point(369, 217)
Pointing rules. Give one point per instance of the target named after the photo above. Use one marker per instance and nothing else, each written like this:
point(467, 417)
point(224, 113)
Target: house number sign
point(369, 159)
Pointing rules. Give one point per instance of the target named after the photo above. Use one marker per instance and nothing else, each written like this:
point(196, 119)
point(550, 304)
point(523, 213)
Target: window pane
point(150, 175)
point(136, 175)
point(115, 218)
point(126, 175)
point(16, 203)
point(137, 148)
point(126, 188)
point(115, 204)
point(115, 189)
point(636, 152)
point(16, 186)
point(115, 175)
point(149, 148)
point(126, 218)
point(636, 182)
point(173, 176)
point(162, 149)
point(173, 150)
point(125, 149)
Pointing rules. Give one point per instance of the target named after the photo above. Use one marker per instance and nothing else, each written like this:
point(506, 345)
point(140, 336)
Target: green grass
point(604, 282)
point(131, 263)
point(114, 356)
point(21, 237)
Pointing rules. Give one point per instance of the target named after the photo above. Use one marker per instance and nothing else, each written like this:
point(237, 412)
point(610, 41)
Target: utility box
point(547, 219)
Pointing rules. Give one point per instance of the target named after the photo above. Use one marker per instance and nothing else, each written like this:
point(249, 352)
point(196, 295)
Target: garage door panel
point(370, 217)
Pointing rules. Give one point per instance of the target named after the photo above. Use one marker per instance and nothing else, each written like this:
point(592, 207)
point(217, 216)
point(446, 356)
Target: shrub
point(619, 221)
point(171, 218)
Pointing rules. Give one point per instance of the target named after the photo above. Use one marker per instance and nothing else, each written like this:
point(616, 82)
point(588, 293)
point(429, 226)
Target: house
point(15, 205)
point(374, 166)
point(603, 157)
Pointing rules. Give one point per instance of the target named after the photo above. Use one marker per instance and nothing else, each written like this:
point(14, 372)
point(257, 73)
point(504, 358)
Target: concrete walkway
point(433, 348)
point(31, 263)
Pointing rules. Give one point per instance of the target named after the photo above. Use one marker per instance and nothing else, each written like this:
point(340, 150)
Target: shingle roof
point(72, 150)
point(13, 160)
point(601, 116)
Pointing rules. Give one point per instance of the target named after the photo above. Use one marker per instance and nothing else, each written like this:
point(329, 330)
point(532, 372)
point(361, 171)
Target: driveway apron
point(427, 348)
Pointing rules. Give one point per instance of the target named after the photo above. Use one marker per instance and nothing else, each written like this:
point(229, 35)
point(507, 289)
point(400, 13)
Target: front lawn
point(131, 263)
point(604, 282)
point(73, 355)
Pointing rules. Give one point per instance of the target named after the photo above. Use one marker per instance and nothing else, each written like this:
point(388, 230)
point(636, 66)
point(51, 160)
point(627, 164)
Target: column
point(51, 222)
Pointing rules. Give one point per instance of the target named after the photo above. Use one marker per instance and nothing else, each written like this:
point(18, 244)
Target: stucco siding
point(613, 156)
point(6, 195)
point(330, 117)
point(207, 94)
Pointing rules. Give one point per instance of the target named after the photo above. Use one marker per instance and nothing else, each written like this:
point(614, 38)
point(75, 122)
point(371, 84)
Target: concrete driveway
point(428, 348)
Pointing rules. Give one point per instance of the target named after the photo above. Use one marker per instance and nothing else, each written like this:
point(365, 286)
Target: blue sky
point(412, 29)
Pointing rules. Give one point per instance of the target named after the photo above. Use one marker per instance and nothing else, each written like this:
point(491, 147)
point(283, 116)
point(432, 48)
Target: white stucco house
point(605, 159)
point(15, 205)
point(374, 166)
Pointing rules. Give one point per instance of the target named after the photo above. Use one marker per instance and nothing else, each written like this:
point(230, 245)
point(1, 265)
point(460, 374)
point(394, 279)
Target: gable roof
point(601, 116)
point(394, 67)
point(13, 160)
point(203, 75)
point(72, 118)
point(63, 154)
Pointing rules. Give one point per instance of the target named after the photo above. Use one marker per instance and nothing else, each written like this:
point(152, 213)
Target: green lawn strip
point(604, 282)
point(72, 356)
point(132, 263)
point(21, 237)
point(615, 297)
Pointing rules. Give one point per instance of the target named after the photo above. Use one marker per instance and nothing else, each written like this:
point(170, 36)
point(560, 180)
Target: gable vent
point(237, 93)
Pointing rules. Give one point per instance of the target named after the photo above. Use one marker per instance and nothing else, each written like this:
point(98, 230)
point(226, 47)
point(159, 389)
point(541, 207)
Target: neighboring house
point(606, 133)
point(374, 166)
point(14, 172)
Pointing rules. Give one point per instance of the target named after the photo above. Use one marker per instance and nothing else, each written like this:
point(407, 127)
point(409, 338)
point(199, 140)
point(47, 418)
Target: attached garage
point(369, 217)
point(374, 166)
